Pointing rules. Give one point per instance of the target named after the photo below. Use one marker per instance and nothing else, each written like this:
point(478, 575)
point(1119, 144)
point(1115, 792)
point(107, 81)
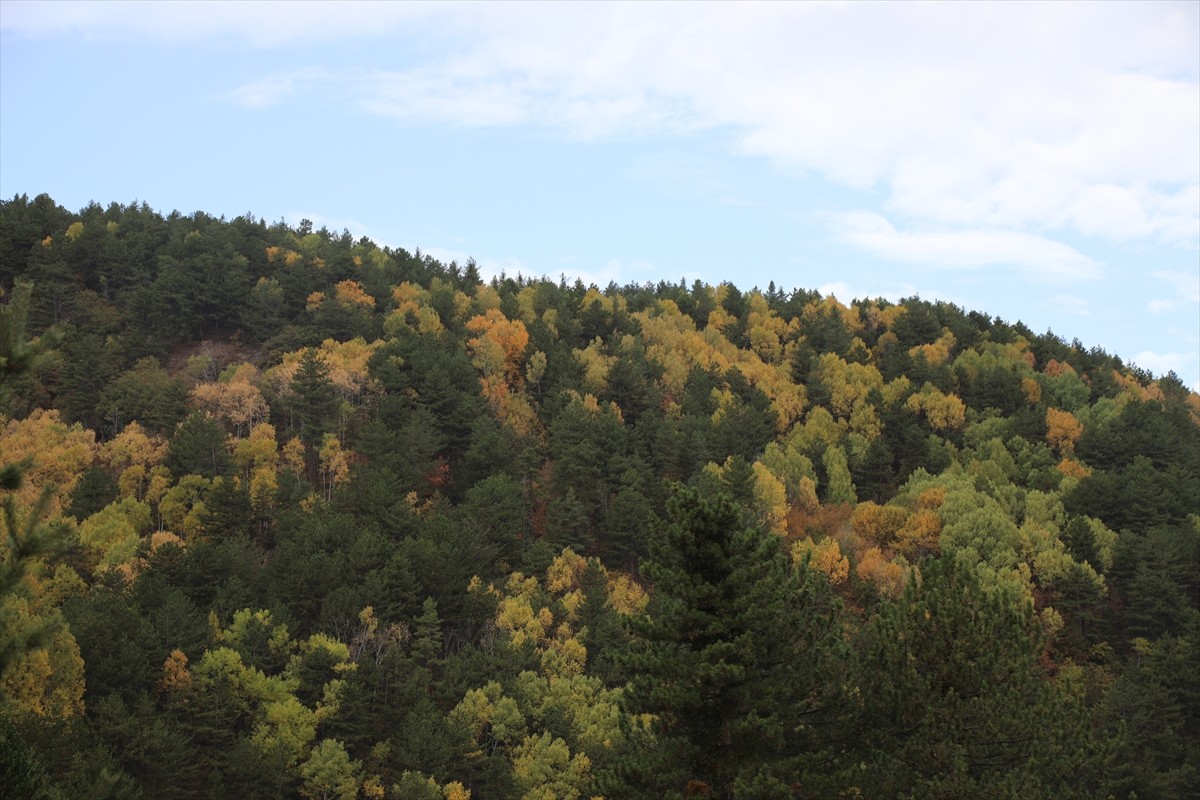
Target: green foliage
point(17, 355)
point(94, 490)
point(313, 399)
point(329, 774)
point(1157, 703)
point(731, 657)
point(954, 701)
point(21, 771)
point(198, 448)
point(25, 541)
point(838, 486)
point(26, 538)
point(145, 394)
point(352, 539)
point(415, 786)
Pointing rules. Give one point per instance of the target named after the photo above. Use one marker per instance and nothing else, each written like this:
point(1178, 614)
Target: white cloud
point(1036, 256)
point(260, 24)
point(1066, 118)
point(1043, 119)
point(1185, 288)
point(1072, 304)
point(1189, 335)
point(846, 292)
point(1162, 363)
point(993, 124)
point(1186, 285)
point(871, 288)
point(424, 97)
point(839, 289)
point(272, 89)
point(613, 271)
point(489, 267)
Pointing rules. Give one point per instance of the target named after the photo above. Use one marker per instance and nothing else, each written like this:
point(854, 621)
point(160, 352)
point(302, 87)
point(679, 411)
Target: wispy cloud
point(1105, 148)
point(1185, 289)
point(1162, 363)
point(1072, 304)
point(273, 89)
point(888, 290)
point(839, 289)
point(1038, 257)
point(1070, 117)
point(613, 271)
point(990, 130)
point(489, 266)
point(257, 24)
point(432, 97)
point(844, 292)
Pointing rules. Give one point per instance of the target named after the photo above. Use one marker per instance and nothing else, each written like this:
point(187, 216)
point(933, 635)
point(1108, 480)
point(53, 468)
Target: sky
point(1035, 161)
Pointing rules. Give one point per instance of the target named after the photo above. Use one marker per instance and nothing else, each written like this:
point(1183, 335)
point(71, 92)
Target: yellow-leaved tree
point(57, 455)
point(1063, 430)
point(511, 720)
point(132, 456)
point(236, 402)
point(497, 350)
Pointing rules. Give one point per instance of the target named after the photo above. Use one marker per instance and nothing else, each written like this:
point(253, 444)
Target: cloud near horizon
point(1038, 257)
point(1041, 120)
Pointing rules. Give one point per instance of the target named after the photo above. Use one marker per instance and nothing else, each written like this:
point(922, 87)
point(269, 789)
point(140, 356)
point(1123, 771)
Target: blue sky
point(1037, 161)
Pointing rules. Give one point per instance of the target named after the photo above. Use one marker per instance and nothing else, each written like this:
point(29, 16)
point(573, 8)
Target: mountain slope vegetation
point(336, 520)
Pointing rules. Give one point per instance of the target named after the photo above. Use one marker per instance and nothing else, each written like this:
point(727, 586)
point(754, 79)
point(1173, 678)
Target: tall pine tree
point(732, 660)
point(314, 401)
point(955, 701)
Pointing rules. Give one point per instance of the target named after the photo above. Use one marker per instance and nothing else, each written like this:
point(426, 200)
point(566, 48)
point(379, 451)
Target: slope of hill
point(348, 521)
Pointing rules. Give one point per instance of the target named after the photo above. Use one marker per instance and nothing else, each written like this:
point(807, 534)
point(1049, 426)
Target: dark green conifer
point(314, 400)
point(955, 700)
point(732, 659)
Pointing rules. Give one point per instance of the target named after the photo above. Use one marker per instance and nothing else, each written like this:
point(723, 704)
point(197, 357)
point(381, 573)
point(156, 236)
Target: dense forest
point(290, 514)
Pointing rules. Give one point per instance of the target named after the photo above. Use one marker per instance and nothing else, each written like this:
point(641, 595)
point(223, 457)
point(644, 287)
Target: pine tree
point(23, 538)
point(954, 701)
point(732, 659)
point(314, 400)
point(198, 448)
point(427, 637)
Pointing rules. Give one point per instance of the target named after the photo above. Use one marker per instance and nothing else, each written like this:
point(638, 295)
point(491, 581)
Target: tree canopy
point(289, 514)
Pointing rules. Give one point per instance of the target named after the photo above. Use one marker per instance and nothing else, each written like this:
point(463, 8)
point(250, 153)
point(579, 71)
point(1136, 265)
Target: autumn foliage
point(341, 520)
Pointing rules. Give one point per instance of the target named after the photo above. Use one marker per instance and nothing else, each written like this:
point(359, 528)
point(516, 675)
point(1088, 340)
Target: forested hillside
point(289, 514)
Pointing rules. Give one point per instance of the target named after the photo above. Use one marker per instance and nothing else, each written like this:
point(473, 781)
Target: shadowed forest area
point(289, 514)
